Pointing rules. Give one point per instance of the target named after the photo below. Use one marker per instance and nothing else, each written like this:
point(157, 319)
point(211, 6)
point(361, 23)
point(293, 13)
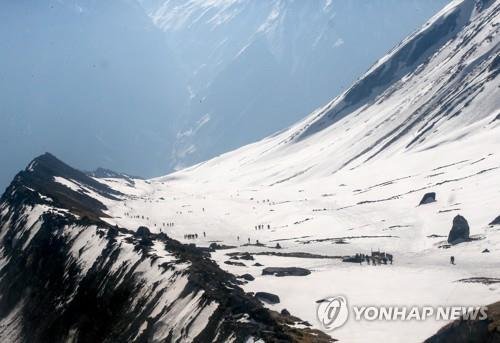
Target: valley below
point(386, 196)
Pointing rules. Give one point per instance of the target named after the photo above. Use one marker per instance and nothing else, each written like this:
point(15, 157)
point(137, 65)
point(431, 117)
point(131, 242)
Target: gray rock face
point(143, 232)
point(268, 297)
point(428, 198)
point(287, 271)
point(496, 221)
point(247, 277)
point(285, 312)
point(460, 230)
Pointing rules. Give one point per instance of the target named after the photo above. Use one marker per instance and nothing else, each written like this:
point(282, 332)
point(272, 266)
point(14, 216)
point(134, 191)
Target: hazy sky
point(99, 83)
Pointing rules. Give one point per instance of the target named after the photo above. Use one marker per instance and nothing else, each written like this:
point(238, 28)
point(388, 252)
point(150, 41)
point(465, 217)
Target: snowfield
point(348, 179)
point(373, 207)
point(351, 182)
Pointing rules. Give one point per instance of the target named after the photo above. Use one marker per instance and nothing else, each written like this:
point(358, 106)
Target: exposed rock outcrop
point(286, 271)
point(69, 277)
point(471, 331)
point(268, 297)
point(247, 277)
point(428, 198)
point(496, 221)
point(460, 230)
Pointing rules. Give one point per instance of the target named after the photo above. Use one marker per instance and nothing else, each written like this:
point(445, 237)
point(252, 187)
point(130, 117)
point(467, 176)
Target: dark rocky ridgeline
point(73, 278)
point(38, 179)
point(459, 231)
point(471, 331)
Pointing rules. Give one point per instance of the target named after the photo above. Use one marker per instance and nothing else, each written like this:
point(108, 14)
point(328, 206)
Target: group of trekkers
point(376, 258)
point(194, 235)
point(127, 214)
point(262, 227)
point(164, 224)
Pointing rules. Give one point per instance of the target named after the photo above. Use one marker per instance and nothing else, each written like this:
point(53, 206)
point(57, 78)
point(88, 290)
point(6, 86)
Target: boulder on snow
point(246, 256)
point(268, 297)
point(459, 231)
point(428, 198)
point(247, 277)
point(285, 271)
point(214, 246)
point(238, 264)
point(496, 221)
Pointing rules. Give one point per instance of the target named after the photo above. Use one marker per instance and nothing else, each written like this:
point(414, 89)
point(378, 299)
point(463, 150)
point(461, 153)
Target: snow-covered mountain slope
point(254, 67)
point(67, 276)
point(348, 179)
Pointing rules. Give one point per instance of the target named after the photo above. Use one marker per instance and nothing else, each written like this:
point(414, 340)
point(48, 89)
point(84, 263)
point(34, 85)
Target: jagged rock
point(460, 230)
point(215, 246)
point(257, 264)
point(284, 312)
point(51, 293)
point(246, 256)
point(485, 251)
point(496, 221)
point(143, 232)
point(231, 263)
point(428, 198)
point(247, 277)
point(286, 271)
point(112, 232)
point(268, 297)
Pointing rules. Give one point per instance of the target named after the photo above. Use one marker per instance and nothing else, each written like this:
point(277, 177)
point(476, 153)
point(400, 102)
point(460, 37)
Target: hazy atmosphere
point(146, 87)
point(250, 171)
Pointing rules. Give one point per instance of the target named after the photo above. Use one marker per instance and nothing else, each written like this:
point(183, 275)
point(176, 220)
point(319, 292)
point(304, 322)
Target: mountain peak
point(47, 179)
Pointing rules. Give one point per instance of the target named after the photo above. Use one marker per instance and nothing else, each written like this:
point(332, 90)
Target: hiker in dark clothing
point(452, 260)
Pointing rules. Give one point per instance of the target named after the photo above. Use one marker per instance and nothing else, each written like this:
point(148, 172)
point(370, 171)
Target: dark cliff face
point(471, 331)
point(36, 184)
point(67, 277)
